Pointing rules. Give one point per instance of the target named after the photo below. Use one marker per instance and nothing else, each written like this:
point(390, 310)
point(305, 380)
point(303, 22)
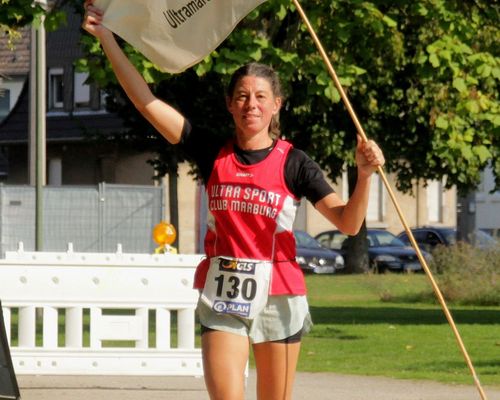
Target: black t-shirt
point(303, 176)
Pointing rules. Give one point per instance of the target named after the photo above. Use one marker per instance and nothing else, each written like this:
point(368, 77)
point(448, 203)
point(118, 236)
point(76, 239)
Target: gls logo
point(235, 265)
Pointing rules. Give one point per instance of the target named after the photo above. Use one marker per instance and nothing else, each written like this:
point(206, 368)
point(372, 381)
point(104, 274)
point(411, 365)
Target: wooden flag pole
point(421, 258)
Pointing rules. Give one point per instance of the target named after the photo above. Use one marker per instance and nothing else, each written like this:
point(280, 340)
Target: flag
point(174, 34)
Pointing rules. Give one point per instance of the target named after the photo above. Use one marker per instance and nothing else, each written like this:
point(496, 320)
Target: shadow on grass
point(486, 367)
point(401, 316)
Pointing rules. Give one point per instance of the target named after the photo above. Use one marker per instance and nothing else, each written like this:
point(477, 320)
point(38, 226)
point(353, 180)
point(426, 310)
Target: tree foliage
point(16, 14)
point(422, 75)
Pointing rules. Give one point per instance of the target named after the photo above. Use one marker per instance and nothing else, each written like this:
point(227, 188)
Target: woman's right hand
point(92, 20)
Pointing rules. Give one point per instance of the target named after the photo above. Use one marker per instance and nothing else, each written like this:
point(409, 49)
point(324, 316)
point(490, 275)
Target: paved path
point(308, 386)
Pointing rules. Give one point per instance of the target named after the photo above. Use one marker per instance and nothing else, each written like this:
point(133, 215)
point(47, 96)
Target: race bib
point(237, 286)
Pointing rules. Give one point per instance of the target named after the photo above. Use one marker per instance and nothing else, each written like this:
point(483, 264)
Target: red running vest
point(250, 215)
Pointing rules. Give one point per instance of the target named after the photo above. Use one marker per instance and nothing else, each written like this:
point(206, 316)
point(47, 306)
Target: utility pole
point(37, 152)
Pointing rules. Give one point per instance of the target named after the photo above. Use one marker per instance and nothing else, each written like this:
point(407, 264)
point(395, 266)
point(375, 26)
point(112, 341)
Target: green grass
point(355, 332)
point(405, 335)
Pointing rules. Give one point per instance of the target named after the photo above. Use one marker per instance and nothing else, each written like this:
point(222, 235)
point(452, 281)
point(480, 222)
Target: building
point(487, 202)
point(14, 68)
point(75, 113)
point(429, 205)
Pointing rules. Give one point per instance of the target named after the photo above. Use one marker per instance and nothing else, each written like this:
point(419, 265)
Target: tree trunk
point(356, 246)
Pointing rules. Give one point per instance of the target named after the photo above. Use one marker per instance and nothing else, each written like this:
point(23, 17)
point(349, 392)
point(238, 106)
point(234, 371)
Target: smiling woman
point(254, 94)
point(254, 182)
point(253, 107)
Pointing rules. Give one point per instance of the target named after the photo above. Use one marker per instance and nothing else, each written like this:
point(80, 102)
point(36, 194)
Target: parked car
point(428, 237)
point(314, 258)
point(493, 232)
point(385, 251)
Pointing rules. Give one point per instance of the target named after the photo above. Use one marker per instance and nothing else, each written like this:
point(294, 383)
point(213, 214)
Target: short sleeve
point(305, 178)
point(199, 147)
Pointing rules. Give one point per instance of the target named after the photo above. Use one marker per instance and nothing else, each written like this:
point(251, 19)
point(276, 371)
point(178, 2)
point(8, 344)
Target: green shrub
point(467, 274)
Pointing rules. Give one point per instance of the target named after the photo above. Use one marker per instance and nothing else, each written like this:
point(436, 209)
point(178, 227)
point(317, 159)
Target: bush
point(468, 275)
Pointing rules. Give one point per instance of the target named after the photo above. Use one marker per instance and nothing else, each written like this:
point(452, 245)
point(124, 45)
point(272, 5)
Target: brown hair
point(260, 71)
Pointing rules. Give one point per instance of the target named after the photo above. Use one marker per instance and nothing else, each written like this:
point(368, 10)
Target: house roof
point(15, 61)
point(65, 127)
point(63, 45)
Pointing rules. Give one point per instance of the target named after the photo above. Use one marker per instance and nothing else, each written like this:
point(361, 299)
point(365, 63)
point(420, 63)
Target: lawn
point(405, 335)
point(355, 332)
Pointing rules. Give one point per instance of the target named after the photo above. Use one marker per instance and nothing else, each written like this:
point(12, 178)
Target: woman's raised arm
point(167, 120)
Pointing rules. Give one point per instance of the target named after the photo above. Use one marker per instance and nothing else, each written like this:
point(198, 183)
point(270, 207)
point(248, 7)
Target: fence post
point(27, 326)
point(73, 327)
point(185, 328)
point(50, 328)
point(162, 328)
point(143, 313)
point(95, 319)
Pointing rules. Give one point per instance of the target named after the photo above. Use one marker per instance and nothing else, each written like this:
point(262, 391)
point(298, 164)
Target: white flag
point(174, 34)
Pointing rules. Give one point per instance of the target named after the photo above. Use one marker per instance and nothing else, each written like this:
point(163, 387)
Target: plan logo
point(231, 307)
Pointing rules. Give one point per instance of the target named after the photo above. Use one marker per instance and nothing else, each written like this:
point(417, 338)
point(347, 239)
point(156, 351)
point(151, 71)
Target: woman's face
point(253, 105)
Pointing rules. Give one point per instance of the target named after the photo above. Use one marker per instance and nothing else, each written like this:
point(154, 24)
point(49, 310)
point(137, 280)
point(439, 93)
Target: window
point(81, 90)
point(55, 88)
point(376, 203)
point(4, 103)
point(55, 172)
point(488, 181)
point(418, 235)
point(332, 241)
point(435, 201)
point(345, 186)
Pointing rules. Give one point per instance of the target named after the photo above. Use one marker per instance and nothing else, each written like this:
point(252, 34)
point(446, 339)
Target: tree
point(422, 75)
point(19, 13)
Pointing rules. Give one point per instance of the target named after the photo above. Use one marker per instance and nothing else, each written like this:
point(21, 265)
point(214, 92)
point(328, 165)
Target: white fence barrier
point(100, 313)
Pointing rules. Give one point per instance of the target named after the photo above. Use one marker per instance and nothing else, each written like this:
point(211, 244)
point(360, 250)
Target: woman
point(252, 290)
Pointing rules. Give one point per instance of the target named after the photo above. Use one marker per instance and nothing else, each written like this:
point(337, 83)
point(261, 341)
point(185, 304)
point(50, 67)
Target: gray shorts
point(282, 317)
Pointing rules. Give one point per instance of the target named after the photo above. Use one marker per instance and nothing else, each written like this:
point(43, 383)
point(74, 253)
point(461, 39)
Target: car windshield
point(303, 239)
point(383, 238)
point(483, 239)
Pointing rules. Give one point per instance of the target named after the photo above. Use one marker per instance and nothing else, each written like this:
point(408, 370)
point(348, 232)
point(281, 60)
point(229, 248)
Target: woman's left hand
point(368, 157)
